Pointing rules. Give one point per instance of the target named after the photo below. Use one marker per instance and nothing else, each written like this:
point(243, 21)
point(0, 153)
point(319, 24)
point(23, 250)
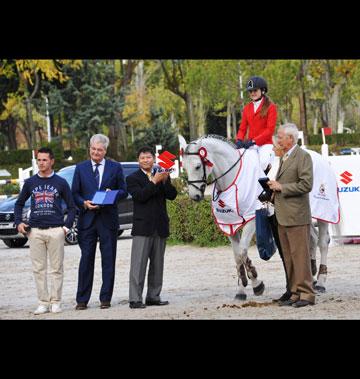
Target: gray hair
point(291, 130)
point(100, 138)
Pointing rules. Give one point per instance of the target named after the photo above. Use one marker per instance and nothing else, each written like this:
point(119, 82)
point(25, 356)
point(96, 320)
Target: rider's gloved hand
point(248, 144)
point(239, 144)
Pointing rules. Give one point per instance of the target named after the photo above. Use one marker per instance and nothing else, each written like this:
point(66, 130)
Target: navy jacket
point(84, 188)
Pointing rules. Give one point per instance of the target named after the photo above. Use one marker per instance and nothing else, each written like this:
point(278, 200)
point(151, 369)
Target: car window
point(67, 174)
point(128, 170)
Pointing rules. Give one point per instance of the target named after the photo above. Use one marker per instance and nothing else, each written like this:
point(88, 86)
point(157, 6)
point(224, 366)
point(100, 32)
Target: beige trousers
point(44, 244)
point(295, 244)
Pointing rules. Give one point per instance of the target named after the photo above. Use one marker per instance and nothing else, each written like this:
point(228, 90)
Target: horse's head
point(198, 164)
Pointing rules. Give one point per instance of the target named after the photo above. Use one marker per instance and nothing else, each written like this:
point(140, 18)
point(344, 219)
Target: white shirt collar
point(49, 176)
point(291, 150)
point(257, 104)
point(102, 162)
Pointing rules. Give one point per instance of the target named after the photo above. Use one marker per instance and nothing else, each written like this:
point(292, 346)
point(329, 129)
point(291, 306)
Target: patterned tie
point(149, 175)
point(97, 174)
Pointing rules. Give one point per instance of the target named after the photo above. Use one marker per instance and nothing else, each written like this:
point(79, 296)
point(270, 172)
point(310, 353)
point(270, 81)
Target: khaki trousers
point(295, 243)
point(44, 244)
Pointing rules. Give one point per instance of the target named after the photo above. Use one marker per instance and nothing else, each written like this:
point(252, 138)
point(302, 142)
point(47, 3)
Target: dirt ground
point(199, 283)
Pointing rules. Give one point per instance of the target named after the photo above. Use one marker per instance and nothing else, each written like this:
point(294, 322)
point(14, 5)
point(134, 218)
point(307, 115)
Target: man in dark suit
point(149, 190)
point(97, 222)
point(294, 181)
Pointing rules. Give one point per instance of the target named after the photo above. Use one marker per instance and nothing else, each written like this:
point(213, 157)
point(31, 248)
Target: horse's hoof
point(320, 289)
point(259, 290)
point(240, 296)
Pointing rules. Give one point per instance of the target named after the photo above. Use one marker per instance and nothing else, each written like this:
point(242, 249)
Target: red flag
point(327, 131)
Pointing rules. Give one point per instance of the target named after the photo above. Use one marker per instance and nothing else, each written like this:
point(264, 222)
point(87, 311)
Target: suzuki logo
point(167, 159)
point(221, 203)
point(7, 217)
point(346, 177)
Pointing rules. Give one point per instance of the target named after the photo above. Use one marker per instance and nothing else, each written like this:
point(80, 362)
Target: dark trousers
point(87, 241)
point(275, 232)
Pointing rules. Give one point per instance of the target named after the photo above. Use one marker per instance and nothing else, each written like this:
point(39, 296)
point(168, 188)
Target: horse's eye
point(197, 167)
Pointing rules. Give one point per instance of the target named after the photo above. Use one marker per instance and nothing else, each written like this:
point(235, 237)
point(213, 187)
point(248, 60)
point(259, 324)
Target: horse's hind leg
point(324, 240)
point(246, 236)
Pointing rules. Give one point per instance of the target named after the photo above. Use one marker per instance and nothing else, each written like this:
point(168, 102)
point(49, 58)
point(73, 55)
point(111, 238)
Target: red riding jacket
point(261, 129)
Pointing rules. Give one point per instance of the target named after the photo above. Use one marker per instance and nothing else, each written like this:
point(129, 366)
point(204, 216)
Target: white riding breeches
point(266, 155)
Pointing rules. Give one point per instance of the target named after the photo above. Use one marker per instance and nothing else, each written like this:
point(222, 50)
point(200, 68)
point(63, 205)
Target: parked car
point(12, 238)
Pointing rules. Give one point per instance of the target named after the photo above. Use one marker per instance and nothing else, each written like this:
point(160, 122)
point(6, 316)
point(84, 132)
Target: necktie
point(149, 175)
point(97, 174)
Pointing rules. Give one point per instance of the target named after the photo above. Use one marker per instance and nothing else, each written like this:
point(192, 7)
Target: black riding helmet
point(256, 82)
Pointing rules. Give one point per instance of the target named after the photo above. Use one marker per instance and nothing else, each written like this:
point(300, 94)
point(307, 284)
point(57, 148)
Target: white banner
point(347, 171)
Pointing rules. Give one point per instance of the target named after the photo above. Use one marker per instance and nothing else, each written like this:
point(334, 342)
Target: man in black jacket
point(149, 190)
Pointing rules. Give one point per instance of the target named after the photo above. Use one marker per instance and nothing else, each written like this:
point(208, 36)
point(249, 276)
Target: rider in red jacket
point(259, 120)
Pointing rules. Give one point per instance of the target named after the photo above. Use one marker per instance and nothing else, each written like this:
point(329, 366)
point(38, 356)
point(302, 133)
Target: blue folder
point(105, 197)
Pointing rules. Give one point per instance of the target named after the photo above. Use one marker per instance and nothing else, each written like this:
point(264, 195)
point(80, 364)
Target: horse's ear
point(182, 143)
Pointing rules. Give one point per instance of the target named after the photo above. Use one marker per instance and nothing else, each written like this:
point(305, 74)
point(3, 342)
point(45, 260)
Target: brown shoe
point(105, 305)
point(80, 306)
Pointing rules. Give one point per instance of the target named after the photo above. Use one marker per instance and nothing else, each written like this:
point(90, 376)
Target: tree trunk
point(201, 115)
point(118, 147)
point(228, 120)
point(190, 116)
point(30, 125)
point(234, 123)
point(340, 124)
point(315, 122)
point(334, 107)
point(302, 101)
point(12, 133)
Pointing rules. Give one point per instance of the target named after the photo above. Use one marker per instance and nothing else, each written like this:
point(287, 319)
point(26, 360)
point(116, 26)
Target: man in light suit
point(294, 181)
point(97, 222)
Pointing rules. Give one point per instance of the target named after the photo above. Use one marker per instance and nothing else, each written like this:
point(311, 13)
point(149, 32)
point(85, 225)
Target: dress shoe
point(105, 305)
point(80, 306)
point(285, 296)
point(302, 303)
point(288, 302)
point(156, 302)
point(136, 304)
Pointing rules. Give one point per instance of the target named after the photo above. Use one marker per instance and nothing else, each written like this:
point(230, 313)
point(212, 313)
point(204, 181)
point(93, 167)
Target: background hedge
point(192, 222)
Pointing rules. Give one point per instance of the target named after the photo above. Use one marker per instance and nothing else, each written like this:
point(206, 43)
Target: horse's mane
point(215, 136)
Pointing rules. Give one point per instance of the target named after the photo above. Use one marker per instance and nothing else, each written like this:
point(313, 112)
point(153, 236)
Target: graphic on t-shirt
point(44, 196)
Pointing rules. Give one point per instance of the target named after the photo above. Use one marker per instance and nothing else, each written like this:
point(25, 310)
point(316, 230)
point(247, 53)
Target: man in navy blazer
point(97, 222)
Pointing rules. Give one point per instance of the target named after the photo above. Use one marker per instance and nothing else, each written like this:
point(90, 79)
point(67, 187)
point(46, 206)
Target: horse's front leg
point(243, 262)
point(240, 267)
point(324, 240)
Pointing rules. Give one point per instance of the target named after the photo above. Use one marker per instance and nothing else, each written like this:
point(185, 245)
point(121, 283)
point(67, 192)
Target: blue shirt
point(46, 195)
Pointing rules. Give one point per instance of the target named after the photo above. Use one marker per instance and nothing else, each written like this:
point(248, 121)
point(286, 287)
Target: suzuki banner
point(347, 171)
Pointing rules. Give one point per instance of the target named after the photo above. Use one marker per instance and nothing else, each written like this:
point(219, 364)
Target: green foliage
point(160, 133)
point(9, 189)
point(192, 222)
point(342, 140)
point(15, 156)
point(79, 154)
